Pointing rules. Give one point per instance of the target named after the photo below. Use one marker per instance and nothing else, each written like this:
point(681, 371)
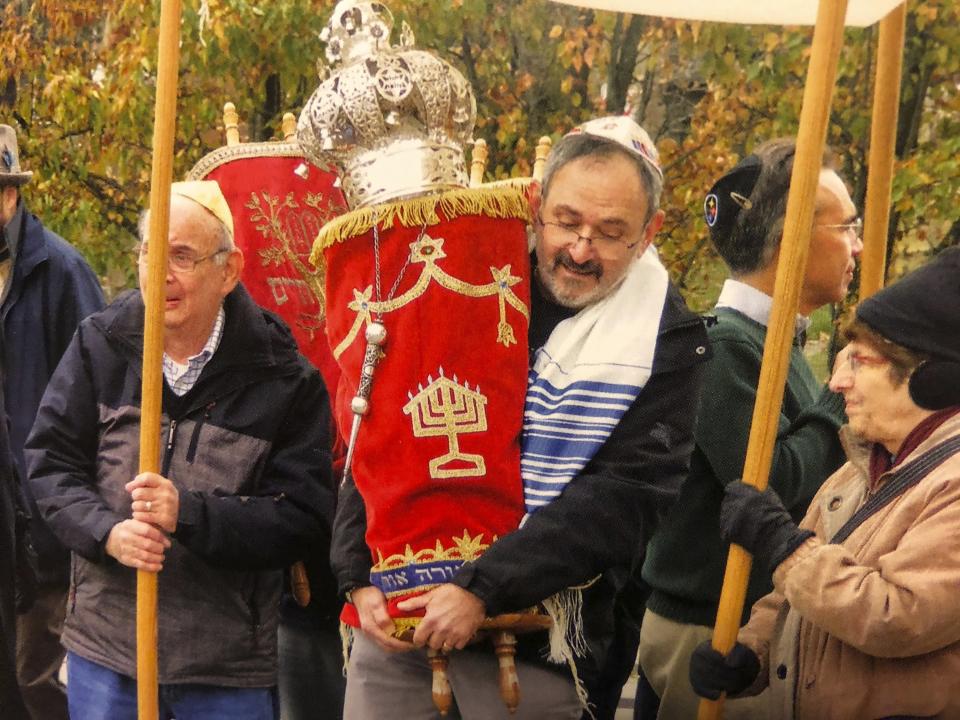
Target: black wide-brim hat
point(921, 312)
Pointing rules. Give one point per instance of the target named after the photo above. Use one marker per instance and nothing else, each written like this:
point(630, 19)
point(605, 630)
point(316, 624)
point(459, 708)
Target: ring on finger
point(149, 505)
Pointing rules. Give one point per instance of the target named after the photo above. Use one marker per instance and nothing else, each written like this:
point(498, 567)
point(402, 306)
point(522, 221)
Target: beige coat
point(869, 628)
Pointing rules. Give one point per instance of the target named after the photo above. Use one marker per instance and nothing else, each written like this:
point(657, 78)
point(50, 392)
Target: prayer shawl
point(586, 376)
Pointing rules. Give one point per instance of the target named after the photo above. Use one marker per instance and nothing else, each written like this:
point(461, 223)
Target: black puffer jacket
point(247, 448)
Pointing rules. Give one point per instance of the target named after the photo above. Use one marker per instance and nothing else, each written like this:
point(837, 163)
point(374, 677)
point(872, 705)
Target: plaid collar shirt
point(182, 378)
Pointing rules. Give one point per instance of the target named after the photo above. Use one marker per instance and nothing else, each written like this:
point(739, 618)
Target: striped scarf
point(586, 376)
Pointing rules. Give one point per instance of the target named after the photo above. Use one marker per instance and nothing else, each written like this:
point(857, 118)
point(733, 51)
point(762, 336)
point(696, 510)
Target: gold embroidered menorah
point(445, 407)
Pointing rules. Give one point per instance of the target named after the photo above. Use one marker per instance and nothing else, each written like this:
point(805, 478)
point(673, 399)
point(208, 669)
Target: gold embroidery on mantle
point(287, 228)
point(501, 199)
point(428, 251)
point(464, 548)
point(426, 569)
point(447, 408)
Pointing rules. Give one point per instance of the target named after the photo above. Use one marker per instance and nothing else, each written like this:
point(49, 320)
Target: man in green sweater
point(685, 560)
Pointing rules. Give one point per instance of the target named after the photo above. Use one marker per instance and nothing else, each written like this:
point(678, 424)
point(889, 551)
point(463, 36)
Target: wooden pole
point(883, 135)
point(163, 136)
point(791, 266)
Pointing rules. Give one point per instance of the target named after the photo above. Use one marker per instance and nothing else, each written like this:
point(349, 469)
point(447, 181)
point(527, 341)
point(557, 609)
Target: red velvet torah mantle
point(437, 458)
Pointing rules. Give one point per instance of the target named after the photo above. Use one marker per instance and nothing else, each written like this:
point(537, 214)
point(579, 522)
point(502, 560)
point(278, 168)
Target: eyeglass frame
point(857, 360)
point(140, 251)
point(856, 226)
point(589, 238)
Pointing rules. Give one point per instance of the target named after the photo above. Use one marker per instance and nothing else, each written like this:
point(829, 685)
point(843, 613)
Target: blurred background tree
point(77, 78)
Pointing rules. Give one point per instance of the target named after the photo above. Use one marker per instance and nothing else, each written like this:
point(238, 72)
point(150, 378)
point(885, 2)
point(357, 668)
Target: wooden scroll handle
point(300, 583)
point(288, 126)
point(478, 162)
point(231, 124)
point(540, 157)
point(505, 648)
point(503, 629)
point(442, 695)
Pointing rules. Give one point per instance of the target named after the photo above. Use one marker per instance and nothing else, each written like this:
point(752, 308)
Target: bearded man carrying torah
point(464, 507)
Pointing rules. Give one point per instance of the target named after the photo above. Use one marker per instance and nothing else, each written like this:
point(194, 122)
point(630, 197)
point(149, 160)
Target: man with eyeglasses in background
point(616, 364)
point(245, 482)
point(745, 212)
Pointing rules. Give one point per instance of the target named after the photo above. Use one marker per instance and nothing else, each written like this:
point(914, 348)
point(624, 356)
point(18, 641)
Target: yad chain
point(375, 335)
point(376, 263)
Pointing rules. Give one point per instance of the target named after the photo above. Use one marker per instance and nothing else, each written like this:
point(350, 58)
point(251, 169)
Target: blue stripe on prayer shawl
point(545, 443)
point(563, 429)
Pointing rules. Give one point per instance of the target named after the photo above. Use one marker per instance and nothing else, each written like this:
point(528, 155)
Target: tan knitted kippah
point(208, 194)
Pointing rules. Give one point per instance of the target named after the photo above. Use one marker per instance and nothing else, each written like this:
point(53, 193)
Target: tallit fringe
point(497, 200)
point(567, 641)
point(346, 643)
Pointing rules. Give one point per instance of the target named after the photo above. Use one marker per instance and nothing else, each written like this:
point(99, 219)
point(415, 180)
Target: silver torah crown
point(392, 120)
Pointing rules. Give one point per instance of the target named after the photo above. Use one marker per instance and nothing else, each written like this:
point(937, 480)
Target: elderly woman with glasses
point(863, 621)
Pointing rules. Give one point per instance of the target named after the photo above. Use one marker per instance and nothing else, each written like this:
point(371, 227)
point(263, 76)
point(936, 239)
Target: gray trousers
point(310, 676)
point(387, 685)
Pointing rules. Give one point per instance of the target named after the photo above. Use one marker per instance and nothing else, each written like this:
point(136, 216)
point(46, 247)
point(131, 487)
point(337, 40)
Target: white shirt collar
point(753, 303)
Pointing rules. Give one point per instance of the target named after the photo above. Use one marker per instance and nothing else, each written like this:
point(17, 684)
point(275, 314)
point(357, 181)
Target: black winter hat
point(921, 312)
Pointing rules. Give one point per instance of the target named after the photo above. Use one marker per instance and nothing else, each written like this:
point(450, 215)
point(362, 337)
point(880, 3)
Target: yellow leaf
point(555, 32)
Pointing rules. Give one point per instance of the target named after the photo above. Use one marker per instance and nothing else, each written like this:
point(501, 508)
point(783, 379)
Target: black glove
point(27, 569)
point(758, 522)
point(712, 674)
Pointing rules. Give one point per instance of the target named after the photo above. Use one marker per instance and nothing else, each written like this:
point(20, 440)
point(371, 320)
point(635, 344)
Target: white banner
point(860, 13)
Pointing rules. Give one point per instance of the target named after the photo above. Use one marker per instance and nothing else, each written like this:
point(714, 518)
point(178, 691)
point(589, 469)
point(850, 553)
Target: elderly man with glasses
point(863, 621)
point(616, 362)
point(245, 484)
point(745, 212)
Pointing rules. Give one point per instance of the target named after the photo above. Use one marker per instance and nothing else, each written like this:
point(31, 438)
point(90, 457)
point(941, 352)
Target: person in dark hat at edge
point(685, 561)
point(864, 621)
point(46, 289)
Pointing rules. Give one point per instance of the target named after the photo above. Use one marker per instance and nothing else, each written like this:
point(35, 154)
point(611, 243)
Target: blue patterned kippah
point(730, 195)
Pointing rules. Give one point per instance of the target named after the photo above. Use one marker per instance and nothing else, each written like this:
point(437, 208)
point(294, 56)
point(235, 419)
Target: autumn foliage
point(77, 77)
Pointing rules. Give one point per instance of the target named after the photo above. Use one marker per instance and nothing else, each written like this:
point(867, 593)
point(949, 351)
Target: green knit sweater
point(686, 557)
